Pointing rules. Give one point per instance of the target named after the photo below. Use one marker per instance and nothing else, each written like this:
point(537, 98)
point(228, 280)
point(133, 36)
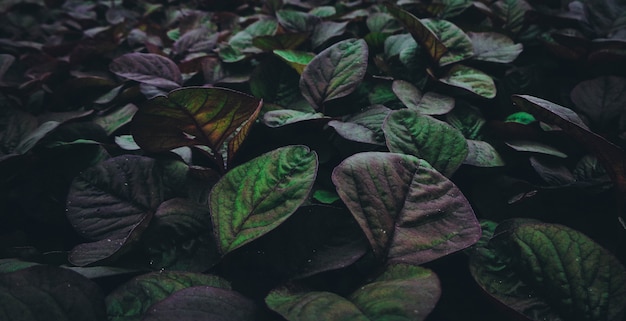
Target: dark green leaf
point(408, 211)
point(295, 59)
point(453, 38)
point(470, 79)
point(438, 143)
point(256, 197)
point(286, 41)
point(117, 118)
point(511, 13)
point(381, 22)
point(131, 300)
point(334, 72)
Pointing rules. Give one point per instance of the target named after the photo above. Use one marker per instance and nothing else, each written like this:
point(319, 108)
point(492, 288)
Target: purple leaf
point(149, 69)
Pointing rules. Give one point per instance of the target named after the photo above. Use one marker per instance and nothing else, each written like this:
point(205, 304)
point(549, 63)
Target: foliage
point(312, 160)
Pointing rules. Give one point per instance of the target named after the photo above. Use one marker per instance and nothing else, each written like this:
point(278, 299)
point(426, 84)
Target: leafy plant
point(312, 160)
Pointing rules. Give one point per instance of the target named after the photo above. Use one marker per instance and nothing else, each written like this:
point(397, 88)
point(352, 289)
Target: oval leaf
point(602, 99)
point(151, 69)
point(408, 211)
point(424, 36)
point(456, 41)
point(364, 127)
point(256, 197)
point(494, 47)
point(383, 299)
point(131, 300)
point(482, 154)
point(334, 72)
point(410, 133)
point(430, 103)
point(470, 79)
point(200, 303)
point(295, 59)
point(49, 293)
point(192, 116)
point(551, 272)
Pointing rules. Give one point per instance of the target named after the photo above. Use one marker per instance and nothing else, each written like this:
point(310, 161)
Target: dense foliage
point(312, 160)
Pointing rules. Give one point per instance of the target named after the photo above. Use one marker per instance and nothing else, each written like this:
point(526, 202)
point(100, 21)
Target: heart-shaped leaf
point(408, 211)
point(192, 116)
point(494, 47)
point(131, 300)
point(256, 197)
point(603, 99)
point(441, 145)
point(430, 103)
point(424, 36)
point(550, 272)
point(470, 79)
point(334, 72)
point(112, 202)
point(453, 38)
point(151, 69)
point(49, 293)
point(383, 299)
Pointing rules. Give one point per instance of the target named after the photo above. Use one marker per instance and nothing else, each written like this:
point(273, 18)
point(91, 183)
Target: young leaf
point(334, 72)
point(549, 271)
point(494, 47)
point(131, 300)
point(151, 69)
point(424, 36)
point(453, 38)
point(256, 197)
point(383, 299)
point(45, 292)
point(408, 211)
point(192, 116)
point(470, 79)
point(438, 143)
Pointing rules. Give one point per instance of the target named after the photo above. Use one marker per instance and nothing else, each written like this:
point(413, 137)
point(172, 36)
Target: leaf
point(364, 127)
point(295, 59)
point(383, 299)
point(112, 203)
point(511, 13)
point(494, 47)
point(287, 41)
point(132, 299)
point(282, 117)
point(408, 211)
point(458, 44)
point(114, 120)
point(45, 292)
point(334, 72)
point(275, 82)
point(151, 69)
point(203, 303)
point(256, 197)
point(326, 30)
point(297, 21)
point(603, 99)
point(430, 103)
point(424, 36)
point(535, 147)
point(382, 22)
point(454, 8)
point(470, 79)
point(482, 154)
point(192, 116)
point(549, 271)
point(5, 63)
point(15, 125)
point(438, 143)
point(323, 11)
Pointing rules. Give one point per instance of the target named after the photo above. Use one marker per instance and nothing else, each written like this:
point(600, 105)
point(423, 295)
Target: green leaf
point(383, 299)
point(132, 299)
point(482, 154)
point(117, 118)
point(430, 103)
point(453, 8)
point(470, 79)
point(438, 143)
point(297, 21)
point(467, 119)
point(511, 13)
point(256, 197)
point(282, 117)
point(494, 47)
point(49, 293)
point(323, 11)
point(551, 272)
point(408, 211)
point(381, 22)
point(295, 59)
point(192, 116)
point(453, 38)
point(325, 196)
point(424, 36)
point(334, 72)
point(275, 82)
point(287, 41)
point(521, 117)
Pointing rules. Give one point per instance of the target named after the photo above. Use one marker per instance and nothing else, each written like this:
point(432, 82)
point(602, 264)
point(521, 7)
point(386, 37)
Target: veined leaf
point(424, 36)
point(254, 198)
point(408, 211)
point(430, 103)
point(441, 145)
point(453, 38)
point(334, 72)
point(470, 79)
point(494, 47)
point(295, 59)
point(151, 69)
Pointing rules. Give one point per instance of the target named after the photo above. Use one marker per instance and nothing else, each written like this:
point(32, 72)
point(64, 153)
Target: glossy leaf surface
point(256, 197)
